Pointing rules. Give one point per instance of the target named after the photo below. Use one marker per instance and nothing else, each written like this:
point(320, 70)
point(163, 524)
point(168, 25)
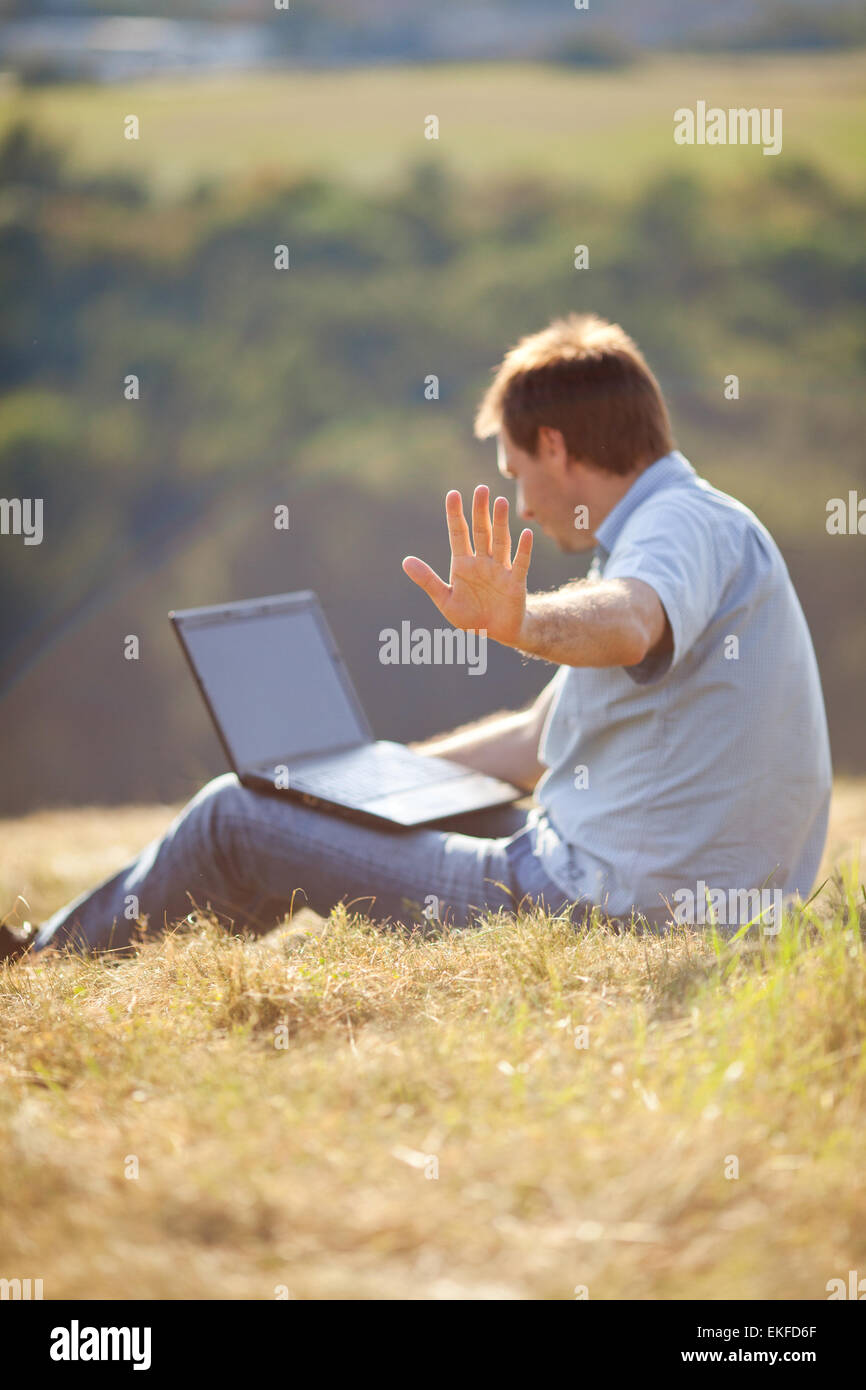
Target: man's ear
point(552, 447)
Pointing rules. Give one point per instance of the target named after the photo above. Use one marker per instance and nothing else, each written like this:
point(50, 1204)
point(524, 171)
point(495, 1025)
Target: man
point(681, 746)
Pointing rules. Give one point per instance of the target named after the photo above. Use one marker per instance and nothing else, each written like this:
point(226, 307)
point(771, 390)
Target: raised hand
point(487, 590)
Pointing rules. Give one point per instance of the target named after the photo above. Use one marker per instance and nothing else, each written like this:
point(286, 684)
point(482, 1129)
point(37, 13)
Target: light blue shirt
point(710, 765)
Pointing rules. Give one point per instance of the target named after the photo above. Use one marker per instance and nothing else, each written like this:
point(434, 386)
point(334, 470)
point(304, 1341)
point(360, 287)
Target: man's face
point(566, 498)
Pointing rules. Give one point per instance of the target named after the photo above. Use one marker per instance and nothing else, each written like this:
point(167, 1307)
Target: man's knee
point(219, 805)
point(219, 791)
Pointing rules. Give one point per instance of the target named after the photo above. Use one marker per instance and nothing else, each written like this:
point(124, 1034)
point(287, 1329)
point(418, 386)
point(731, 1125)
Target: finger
point(522, 555)
point(428, 580)
point(501, 532)
point(458, 531)
point(482, 535)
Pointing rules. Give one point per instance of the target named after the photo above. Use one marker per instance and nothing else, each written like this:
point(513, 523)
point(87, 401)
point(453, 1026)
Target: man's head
point(578, 415)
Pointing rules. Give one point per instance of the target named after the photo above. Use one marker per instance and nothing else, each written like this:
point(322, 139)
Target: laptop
point(291, 724)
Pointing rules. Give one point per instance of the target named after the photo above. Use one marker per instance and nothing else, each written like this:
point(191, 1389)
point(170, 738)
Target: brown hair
point(588, 379)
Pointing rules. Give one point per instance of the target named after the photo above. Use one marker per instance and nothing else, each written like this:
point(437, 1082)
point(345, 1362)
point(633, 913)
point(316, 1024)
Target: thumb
point(427, 579)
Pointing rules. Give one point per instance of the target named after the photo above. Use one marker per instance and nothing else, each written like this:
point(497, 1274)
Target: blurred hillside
point(596, 132)
point(306, 387)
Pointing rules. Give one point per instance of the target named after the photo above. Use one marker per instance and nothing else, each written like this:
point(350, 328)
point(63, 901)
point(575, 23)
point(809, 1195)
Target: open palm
point(487, 590)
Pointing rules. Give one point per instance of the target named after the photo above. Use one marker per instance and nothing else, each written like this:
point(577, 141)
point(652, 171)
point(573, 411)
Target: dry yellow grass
point(341, 1112)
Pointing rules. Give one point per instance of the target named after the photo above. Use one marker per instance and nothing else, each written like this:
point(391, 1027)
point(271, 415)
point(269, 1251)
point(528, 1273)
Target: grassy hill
point(522, 1111)
point(610, 129)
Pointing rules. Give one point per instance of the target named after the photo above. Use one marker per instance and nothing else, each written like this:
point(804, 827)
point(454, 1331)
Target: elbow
point(636, 645)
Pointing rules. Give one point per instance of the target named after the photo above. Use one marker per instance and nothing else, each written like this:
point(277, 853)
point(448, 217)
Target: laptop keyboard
point(373, 771)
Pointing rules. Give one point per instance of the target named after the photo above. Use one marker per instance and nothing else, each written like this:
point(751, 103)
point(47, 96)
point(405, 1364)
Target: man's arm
point(503, 745)
point(615, 622)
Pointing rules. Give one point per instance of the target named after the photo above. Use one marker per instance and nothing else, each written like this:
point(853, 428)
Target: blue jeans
point(251, 857)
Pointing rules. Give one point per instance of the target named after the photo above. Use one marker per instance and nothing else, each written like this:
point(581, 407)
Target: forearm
point(595, 622)
point(503, 745)
point(586, 623)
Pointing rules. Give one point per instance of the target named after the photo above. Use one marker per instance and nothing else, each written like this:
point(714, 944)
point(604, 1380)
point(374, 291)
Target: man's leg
point(247, 856)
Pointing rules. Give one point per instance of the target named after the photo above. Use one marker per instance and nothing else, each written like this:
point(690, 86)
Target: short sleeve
point(677, 551)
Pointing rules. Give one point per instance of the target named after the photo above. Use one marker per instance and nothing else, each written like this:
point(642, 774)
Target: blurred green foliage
point(307, 386)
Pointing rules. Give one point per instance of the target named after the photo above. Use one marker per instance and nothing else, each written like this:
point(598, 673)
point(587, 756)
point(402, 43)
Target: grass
point(335, 1111)
point(608, 129)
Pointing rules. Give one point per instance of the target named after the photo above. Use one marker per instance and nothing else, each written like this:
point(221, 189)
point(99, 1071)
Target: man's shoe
point(14, 941)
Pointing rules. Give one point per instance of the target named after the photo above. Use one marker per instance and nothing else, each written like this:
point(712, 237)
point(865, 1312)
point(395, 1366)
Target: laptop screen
point(273, 686)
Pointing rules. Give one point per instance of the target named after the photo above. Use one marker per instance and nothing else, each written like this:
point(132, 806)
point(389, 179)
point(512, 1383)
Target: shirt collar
point(667, 471)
